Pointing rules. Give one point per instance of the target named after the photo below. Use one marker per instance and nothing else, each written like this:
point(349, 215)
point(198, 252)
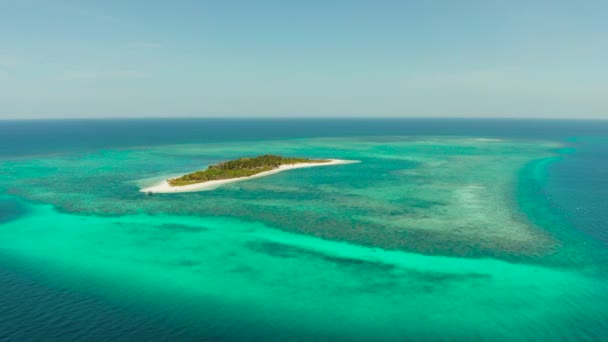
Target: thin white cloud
point(145, 45)
point(104, 75)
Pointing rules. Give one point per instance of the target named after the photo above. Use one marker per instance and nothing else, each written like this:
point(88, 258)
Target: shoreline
point(164, 187)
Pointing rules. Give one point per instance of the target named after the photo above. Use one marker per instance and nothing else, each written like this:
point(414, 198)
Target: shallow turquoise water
point(428, 238)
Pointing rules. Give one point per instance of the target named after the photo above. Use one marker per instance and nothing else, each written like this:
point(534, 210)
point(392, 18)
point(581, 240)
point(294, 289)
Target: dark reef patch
point(389, 273)
point(188, 263)
point(182, 228)
point(10, 210)
point(387, 277)
point(287, 251)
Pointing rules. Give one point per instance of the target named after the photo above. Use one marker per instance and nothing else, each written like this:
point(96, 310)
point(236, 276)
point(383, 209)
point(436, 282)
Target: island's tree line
point(242, 167)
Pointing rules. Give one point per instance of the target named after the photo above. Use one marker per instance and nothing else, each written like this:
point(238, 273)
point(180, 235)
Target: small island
point(237, 170)
point(242, 167)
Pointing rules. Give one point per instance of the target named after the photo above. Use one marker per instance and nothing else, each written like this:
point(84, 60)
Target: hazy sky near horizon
point(315, 58)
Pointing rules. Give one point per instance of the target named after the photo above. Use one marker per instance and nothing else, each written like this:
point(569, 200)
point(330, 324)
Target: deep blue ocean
point(27, 137)
point(574, 191)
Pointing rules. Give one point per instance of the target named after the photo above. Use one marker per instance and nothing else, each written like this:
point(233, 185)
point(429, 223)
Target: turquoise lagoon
point(429, 238)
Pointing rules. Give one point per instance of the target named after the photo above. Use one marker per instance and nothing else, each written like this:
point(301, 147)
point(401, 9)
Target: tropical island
point(242, 167)
point(237, 170)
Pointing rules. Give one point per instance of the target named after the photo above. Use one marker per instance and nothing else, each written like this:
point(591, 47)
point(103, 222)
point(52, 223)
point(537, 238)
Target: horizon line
point(591, 118)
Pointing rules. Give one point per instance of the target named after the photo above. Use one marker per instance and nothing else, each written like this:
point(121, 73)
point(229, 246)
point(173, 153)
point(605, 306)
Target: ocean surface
point(448, 229)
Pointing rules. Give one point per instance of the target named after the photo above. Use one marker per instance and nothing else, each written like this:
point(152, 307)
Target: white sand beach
point(165, 187)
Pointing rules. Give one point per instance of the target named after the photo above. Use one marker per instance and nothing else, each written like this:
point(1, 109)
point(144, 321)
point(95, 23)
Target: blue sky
point(303, 58)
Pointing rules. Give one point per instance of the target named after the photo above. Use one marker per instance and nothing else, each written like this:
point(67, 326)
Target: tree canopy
point(242, 167)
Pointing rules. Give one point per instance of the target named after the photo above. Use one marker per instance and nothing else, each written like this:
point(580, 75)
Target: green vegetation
point(242, 167)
